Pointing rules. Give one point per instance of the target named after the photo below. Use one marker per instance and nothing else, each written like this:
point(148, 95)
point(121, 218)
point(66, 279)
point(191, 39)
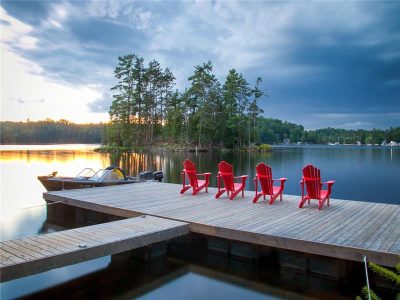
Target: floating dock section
point(31, 255)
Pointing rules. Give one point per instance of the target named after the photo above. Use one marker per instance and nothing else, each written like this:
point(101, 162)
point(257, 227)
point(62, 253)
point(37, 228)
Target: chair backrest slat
point(189, 168)
point(264, 174)
point(226, 172)
point(312, 178)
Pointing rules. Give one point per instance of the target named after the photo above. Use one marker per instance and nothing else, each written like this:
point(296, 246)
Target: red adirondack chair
point(189, 171)
point(225, 173)
point(312, 180)
point(264, 177)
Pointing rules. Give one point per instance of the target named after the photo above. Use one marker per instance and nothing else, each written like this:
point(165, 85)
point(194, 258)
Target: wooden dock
point(30, 255)
point(345, 230)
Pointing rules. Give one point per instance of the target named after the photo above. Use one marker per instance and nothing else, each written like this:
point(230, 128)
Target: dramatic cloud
point(323, 63)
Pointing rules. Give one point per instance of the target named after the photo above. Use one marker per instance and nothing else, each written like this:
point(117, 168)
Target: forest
point(50, 132)
point(273, 131)
point(270, 131)
point(147, 109)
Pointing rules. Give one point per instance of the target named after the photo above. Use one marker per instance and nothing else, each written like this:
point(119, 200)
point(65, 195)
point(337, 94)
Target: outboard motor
point(158, 175)
point(146, 176)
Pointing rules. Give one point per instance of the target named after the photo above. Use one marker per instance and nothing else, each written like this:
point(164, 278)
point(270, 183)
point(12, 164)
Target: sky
point(323, 63)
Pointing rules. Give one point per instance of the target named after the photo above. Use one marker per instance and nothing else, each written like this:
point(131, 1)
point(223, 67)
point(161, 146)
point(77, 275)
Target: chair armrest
point(283, 179)
point(243, 178)
point(330, 182)
point(203, 174)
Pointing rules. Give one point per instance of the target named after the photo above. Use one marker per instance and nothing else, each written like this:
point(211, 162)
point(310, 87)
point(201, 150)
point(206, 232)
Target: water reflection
point(361, 173)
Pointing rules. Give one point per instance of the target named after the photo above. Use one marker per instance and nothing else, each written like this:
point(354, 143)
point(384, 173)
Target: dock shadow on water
point(192, 267)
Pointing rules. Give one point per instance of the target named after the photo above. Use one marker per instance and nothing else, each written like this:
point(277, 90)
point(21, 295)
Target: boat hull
point(66, 183)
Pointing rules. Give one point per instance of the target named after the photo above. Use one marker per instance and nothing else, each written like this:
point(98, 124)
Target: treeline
point(269, 131)
point(147, 109)
point(343, 136)
point(50, 132)
point(274, 131)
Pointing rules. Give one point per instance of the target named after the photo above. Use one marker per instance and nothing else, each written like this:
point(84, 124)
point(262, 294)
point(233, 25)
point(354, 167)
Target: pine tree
point(201, 98)
point(236, 93)
point(123, 108)
point(254, 110)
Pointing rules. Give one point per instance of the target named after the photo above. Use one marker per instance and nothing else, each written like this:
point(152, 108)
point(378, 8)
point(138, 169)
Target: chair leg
point(219, 193)
point(321, 203)
point(198, 189)
point(303, 200)
point(272, 199)
point(233, 194)
point(185, 188)
point(257, 196)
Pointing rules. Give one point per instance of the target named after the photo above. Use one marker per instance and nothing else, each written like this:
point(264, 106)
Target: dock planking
point(31, 255)
point(345, 230)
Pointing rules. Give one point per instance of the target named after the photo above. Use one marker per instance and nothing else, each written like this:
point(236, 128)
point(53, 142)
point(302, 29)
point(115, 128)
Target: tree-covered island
point(148, 112)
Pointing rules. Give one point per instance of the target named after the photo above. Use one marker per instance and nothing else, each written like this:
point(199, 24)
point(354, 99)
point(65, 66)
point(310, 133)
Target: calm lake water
point(361, 173)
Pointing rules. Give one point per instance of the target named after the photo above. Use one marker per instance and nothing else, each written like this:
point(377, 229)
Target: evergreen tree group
point(147, 109)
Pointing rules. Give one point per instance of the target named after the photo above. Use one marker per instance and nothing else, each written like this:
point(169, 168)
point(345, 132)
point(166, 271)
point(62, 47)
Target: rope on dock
point(366, 276)
point(46, 204)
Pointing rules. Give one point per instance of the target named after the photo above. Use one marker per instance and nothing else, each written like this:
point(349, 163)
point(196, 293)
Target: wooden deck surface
point(346, 229)
point(30, 255)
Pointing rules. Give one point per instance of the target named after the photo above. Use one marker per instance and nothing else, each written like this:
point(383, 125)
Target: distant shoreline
point(97, 148)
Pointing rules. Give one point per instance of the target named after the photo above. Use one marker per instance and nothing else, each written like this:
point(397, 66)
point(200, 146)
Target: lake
point(360, 173)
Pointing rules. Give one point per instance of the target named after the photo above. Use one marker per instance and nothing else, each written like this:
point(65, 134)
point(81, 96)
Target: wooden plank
point(27, 256)
point(37, 249)
point(16, 251)
point(8, 258)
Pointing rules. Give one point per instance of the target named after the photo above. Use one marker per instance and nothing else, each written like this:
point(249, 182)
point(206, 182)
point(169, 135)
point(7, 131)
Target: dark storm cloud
point(31, 12)
point(353, 72)
point(323, 63)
